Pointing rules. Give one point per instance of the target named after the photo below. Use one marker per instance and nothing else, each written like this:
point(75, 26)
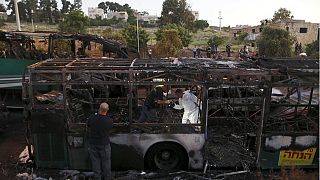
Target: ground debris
point(227, 151)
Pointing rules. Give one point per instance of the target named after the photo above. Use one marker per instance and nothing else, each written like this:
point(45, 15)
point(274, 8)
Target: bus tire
point(166, 156)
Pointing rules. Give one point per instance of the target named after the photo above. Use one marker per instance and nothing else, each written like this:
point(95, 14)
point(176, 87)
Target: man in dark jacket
point(99, 143)
point(148, 111)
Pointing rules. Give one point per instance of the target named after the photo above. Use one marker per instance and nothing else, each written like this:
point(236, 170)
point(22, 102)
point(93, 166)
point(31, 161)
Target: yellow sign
point(289, 157)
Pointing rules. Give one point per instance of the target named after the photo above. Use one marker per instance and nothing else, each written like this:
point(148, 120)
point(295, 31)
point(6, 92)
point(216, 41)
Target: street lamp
point(17, 14)
point(32, 12)
point(138, 39)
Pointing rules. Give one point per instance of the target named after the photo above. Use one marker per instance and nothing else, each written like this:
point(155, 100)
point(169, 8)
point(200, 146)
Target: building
point(123, 15)
point(301, 31)
point(195, 14)
point(148, 19)
point(3, 16)
point(93, 13)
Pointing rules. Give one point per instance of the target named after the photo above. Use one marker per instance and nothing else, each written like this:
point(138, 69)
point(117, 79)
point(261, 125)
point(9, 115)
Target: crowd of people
point(212, 52)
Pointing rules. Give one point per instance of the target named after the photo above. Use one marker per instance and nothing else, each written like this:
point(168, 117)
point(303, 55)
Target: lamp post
point(17, 14)
point(138, 39)
point(32, 12)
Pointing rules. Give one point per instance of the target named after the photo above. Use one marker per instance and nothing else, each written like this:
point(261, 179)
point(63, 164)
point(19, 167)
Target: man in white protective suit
point(189, 102)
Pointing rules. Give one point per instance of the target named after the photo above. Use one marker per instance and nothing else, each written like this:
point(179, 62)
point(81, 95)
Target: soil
point(12, 143)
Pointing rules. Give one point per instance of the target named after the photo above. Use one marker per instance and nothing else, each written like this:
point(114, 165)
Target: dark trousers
point(148, 114)
point(100, 156)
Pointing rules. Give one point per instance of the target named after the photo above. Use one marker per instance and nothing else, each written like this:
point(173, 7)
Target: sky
point(233, 12)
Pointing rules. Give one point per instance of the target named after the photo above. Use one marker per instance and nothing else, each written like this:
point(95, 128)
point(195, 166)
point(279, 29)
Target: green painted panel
point(50, 150)
point(78, 155)
point(14, 66)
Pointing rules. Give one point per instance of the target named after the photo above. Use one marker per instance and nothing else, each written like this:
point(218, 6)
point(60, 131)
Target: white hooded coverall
point(189, 102)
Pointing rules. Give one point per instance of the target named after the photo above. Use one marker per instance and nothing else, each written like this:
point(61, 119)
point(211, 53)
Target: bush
point(312, 49)
point(184, 35)
point(216, 40)
point(169, 44)
point(275, 43)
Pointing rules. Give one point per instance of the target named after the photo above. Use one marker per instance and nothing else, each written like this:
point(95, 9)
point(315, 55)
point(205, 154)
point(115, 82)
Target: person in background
point(150, 53)
point(228, 50)
point(194, 51)
point(208, 52)
point(100, 125)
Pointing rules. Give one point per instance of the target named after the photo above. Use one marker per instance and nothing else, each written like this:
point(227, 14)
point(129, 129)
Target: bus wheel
point(166, 156)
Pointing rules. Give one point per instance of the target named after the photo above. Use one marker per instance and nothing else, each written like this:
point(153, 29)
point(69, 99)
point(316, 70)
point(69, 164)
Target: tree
point(130, 35)
point(200, 24)
point(48, 10)
point(22, 10)
point(31, 9)
point(109, 33)
point(66, 6)
point(2, 8)
point(74, 22)
point(215, 40)
point(184, 34)
point(77, 5)
point(275, 43)
point(281, 14)
point(169, 44)
point(242, 36)
point(312, 49)
point(176, 12)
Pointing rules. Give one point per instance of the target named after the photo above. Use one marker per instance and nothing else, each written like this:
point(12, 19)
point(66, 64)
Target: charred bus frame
point(78, 79)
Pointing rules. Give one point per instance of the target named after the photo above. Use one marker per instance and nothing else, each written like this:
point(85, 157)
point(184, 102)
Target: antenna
point(219, 20)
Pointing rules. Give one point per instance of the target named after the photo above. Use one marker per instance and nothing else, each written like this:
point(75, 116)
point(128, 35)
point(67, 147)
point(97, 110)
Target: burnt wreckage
point(21, 49)
point(42, 45)
point(262, 113)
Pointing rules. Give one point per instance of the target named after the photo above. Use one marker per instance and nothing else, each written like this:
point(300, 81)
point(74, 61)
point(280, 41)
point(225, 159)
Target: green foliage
point(169, 44)
point(104, 22)
point(130, 35)
point(74, 22)
point(216, 40)
point(77, 5)
point(312, 49)
point(109, 33)
point(184, 34)
point(281, 14)
point(176, 12)
point(275, 43)
point(242, 36)
point(200, 24)
point(2, 8)
point(66, 6)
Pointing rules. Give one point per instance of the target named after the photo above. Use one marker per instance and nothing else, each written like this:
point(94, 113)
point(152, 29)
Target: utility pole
point(219, 20)
point(138, 39)
point(17, 14)
point(32, 13)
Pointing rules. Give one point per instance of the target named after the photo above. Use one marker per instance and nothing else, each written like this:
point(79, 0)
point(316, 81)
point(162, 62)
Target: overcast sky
point(234, 12)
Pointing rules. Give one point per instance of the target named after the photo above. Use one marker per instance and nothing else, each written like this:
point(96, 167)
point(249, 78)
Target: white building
point(150, 19)
point(93, 13)
point(123, 15)
point(195, 14)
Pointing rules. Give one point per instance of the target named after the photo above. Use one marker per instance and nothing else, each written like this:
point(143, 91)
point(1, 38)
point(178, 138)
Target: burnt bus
point(61, 94)
point(281, 131)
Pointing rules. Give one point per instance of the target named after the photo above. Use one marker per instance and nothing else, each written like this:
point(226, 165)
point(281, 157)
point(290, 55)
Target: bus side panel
point(132, 148)
point(289, 149)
